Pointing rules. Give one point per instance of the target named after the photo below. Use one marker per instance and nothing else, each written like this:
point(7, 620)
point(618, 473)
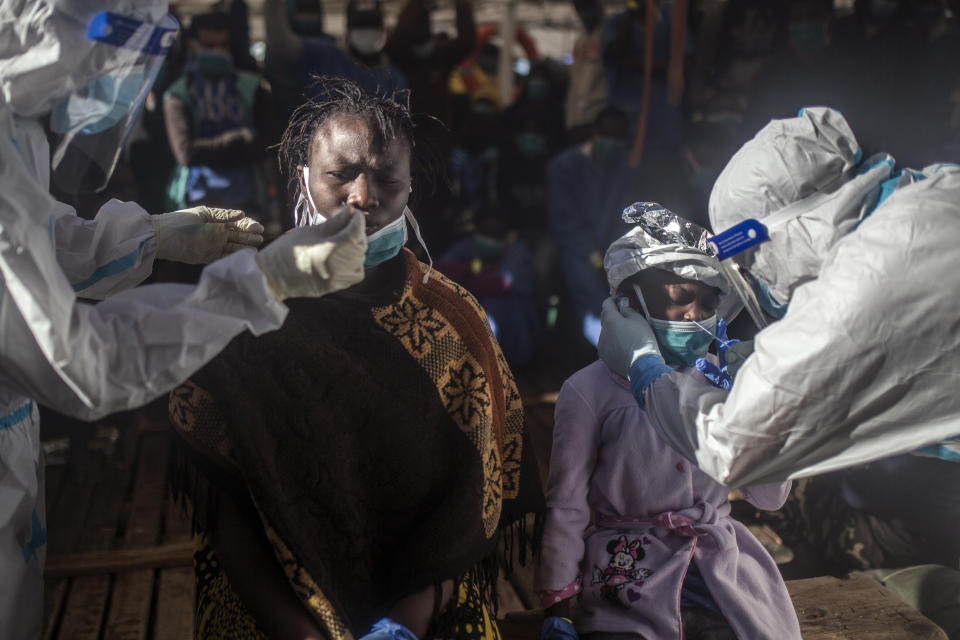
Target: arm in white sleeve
point(863, 366)
point(769, 496)
point(112, 252)
point(576, 440)
point(91, 360)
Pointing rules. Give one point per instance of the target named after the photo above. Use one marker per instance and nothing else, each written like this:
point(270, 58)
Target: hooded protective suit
point(863, 364)
point(85, 360)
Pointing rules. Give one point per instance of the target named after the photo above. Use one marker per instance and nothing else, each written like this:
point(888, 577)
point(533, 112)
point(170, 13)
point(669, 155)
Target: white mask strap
point(313, 215)
point(416, 230)
point(643, 303)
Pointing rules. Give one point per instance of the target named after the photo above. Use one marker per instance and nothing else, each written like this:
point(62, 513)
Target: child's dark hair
point(331, 96)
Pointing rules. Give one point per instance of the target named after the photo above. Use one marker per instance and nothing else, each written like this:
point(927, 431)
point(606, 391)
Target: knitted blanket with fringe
point(379, 436)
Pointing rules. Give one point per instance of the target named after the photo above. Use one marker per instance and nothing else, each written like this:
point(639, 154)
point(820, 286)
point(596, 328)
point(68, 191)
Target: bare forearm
point(416, 611)
point(247, 558)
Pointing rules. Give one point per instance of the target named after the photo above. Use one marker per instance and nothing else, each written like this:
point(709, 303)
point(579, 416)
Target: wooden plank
point(175, 605)
point(176, 588)
point(54, 600)
point(178, 554)
point(84, 608)
point(856, 608)
point(129, 612)
point(87, 597)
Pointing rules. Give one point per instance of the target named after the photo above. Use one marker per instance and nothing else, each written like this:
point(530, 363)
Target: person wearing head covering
point(362, 479)
point(857, 274)
point(84, 73)
point(642, 537)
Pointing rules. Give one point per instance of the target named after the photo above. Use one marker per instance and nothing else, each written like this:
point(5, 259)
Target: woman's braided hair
point(333, 96)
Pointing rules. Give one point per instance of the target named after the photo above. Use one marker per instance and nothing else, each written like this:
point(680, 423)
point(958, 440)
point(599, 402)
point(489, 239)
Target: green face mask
point(608, 152)
point(213, 63)
point(683, 343)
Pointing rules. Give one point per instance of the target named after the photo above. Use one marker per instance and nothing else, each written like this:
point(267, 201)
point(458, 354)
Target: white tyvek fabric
point(85, 360)
point(863, 365)
point(21, 496)
point(45, 53)
point(121, 231)
point(788, 161)
point(636, 251)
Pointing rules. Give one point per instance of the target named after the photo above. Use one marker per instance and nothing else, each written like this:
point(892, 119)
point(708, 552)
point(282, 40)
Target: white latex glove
point(316, 260)
point(201, 235)
point(736, 355)
point(624, 337)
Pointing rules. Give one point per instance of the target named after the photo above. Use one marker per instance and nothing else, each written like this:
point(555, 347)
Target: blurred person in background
point(493, 265)
point(584, 185)
point(219, 121)
point(587, 92)
point(428, 57)
point(361, 59)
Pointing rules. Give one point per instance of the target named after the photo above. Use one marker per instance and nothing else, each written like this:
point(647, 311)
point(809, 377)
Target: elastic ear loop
point(643, 303)
point(416, 229)
point(313, 215)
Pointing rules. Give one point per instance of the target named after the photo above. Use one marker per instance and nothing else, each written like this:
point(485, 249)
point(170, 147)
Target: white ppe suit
point(864, 364)
point(91, 360)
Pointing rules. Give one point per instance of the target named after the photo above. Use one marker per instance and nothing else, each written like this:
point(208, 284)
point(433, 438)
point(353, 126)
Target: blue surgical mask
point(683, 343)
point(108, 100)
point(386, 242)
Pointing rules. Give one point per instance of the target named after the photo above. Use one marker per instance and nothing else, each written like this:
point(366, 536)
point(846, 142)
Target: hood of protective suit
point(45, 53)
point(638, 250)
point(797, 177)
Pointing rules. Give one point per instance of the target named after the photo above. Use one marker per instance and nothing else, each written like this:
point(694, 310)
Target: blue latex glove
point(387, 629)
point(643, 372)
point(557, 628)
point(719, 376)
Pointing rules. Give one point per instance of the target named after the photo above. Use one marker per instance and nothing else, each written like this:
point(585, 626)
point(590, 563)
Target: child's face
point(670, 297)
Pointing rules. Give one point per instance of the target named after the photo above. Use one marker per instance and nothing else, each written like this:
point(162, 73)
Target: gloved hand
point(624, 337)
point(387, 629)
point(737, 354)
point(203, 234)
point(316, 260)
point(719, 376)
point(557, 628)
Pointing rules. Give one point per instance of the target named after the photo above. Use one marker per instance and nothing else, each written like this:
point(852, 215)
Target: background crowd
point(513, 213)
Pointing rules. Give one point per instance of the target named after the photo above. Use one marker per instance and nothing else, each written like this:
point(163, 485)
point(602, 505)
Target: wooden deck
point(119, 558)
point(119, 563)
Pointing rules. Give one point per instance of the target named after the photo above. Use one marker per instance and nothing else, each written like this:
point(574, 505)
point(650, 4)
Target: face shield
point(724, 246)
point(91, 123)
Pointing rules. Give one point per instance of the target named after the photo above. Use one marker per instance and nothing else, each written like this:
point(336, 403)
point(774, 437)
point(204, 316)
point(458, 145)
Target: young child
point(639, 543)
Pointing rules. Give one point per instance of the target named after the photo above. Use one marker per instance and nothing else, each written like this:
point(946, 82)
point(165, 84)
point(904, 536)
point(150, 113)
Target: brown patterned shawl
point(381, 438)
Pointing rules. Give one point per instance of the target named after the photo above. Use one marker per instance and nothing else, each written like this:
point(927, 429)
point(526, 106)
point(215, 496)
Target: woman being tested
point(662, 557)
point(361, 477)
